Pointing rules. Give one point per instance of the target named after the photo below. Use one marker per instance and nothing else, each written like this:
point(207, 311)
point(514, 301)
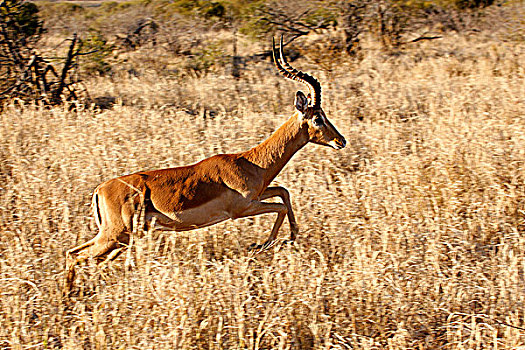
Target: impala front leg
point(283, 193)
point(257, 208)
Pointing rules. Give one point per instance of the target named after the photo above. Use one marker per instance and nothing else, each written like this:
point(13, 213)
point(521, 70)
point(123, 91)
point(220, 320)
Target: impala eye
point(318, 120)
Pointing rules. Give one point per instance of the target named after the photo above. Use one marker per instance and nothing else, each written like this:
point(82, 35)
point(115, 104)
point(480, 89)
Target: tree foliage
point(24, 73)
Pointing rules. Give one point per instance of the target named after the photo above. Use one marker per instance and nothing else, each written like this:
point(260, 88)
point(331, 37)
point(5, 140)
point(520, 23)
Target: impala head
point(320, 130)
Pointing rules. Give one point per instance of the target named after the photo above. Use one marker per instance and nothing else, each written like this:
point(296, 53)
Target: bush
point(100, 50)
point(27, 20)
point(213, 9)
point(21, 20)
point(472, 4)
point(205, 58)
point(24, 73)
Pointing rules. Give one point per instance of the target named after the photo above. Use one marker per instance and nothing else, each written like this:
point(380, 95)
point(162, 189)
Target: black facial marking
point(318, 120)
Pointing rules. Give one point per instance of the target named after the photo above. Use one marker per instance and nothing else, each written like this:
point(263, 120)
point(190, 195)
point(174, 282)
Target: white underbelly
point(207, 214)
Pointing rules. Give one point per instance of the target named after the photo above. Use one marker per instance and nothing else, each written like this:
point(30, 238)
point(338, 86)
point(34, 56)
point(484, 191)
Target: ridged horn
point(291, 73)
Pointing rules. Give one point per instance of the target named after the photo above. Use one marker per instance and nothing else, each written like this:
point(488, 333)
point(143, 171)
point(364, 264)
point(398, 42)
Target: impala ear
point(301, 101)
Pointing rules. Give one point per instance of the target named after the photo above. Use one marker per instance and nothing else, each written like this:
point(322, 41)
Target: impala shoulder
point(216, 166)
point(221, 159)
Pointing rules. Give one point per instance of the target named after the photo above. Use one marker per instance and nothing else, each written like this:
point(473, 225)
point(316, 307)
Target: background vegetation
point(412, 237)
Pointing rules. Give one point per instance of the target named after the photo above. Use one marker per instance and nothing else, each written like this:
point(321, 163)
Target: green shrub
point(21, 18)
point(24, 74)
point(213, 9)
point(99, 49)
point(472, 4)
point(110, 6)
point(205, 58)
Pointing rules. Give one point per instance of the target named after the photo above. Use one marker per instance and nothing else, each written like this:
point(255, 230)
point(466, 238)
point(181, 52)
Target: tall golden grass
point(412, 237)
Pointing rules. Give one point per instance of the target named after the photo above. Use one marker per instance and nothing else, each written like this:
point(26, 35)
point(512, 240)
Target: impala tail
point(96, 208)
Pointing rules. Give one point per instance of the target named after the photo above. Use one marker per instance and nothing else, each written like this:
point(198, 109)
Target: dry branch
point(291, 21)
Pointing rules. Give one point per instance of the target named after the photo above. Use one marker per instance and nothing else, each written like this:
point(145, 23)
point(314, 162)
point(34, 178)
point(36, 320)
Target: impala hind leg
point(71, 261)
point(99, 247)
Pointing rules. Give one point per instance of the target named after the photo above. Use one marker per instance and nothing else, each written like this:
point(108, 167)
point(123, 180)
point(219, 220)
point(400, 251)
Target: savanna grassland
point(411, 237)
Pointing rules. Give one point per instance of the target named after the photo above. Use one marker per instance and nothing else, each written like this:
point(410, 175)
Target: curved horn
point(294, 74)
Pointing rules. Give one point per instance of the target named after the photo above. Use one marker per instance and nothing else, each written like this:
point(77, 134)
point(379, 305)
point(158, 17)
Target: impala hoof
point(288, 242)
point(254, 246)
point(261, 247)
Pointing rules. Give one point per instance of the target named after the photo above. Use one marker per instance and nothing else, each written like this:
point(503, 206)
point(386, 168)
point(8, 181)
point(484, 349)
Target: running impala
point(225, 186)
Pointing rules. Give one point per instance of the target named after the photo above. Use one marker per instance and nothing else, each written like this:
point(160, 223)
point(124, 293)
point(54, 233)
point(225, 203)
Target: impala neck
point(274, 152)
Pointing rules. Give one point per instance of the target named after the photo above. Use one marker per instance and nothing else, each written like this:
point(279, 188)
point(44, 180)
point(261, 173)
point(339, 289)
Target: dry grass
point(411, 237)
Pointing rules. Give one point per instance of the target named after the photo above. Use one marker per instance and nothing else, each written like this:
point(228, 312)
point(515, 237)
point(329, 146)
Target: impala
point(225, 186)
